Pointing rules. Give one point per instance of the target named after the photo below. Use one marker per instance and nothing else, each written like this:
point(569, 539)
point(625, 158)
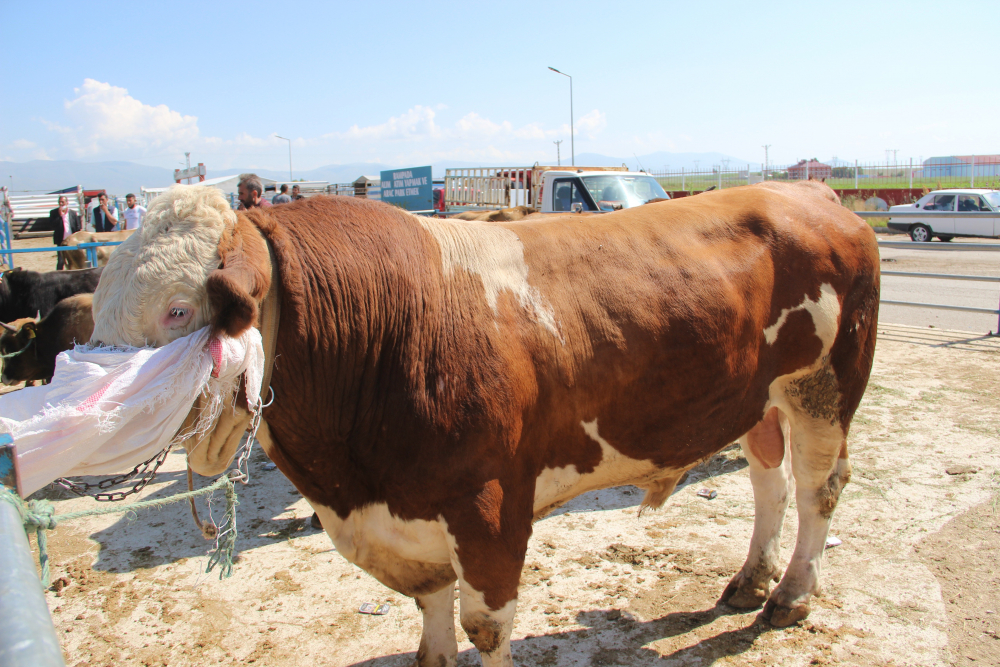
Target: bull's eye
point(177, 315)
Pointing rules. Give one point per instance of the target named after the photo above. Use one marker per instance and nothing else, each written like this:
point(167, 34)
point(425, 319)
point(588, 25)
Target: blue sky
point(419, 82)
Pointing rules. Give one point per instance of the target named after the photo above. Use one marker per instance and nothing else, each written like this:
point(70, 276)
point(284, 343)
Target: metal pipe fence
point(987, 247)
point(27, 635)
point(89, 248)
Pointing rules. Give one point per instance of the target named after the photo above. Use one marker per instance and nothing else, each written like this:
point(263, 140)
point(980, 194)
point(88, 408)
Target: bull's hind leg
point(821, 469)
point(770, 471)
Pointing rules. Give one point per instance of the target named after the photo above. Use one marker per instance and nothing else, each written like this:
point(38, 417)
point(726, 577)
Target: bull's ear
point(28, 329)
point(235, 289)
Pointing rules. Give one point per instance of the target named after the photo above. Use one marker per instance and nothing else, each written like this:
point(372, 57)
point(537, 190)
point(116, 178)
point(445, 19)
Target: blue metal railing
point(89, 248)
point(27, 635)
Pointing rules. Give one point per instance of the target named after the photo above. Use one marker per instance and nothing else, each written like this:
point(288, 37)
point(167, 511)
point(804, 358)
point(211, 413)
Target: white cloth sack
point(108, 409)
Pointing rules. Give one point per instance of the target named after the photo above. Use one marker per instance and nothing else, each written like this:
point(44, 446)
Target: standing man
point(282, 197)
point(105, 215)
point(297, 193)
point(64, 222)
point(134, 214)
point(249, 191)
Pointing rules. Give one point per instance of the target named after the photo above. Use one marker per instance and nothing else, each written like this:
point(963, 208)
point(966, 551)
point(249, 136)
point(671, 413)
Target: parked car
point(938, 223)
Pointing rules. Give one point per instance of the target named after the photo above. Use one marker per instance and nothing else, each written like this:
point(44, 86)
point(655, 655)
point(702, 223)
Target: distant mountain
point(120, 178)
point(47, 175)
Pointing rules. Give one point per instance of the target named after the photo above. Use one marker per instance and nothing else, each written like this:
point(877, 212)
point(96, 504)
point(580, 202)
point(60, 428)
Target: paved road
point(952, 292)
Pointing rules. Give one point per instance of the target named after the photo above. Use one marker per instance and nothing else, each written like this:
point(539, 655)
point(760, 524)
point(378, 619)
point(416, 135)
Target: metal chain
point(241, 472)
point(145, 470)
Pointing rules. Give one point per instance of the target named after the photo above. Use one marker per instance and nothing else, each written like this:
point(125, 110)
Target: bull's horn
point(8, 327)
point(38, 317)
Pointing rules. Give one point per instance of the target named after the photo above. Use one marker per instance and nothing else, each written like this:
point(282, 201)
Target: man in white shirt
point(134, 214)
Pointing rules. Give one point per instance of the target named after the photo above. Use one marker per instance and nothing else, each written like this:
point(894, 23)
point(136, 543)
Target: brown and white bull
point(442, 384)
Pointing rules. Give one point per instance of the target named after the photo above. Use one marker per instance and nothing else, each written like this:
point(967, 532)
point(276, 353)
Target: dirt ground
point(914, 582)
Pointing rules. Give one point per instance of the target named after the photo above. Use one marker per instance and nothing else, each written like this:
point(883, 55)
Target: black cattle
point(29, 348)
point(28, 293)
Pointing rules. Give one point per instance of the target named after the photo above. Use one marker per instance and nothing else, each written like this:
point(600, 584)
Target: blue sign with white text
point(410, 189)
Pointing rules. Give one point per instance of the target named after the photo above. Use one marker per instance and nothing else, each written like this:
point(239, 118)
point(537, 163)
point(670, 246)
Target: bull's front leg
point(489, 539)
point(438, 646)
point(770, 472)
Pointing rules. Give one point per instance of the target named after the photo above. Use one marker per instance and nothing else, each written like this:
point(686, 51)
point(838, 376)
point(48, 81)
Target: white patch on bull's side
point(825, 314)
point(496, 255)
point(555, 486)
point(168, 260)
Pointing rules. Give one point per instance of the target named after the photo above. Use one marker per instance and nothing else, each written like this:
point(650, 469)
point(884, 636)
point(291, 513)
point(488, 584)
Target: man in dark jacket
point(105, 215)
point(64, 221)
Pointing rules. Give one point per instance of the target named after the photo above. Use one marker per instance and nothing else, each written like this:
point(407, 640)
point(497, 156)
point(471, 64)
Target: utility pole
point(766, 148)
point(558, 155)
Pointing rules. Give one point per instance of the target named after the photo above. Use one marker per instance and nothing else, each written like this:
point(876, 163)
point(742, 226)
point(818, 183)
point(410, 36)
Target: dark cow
point(28, 293)
point(29, 347)
point(442, 383)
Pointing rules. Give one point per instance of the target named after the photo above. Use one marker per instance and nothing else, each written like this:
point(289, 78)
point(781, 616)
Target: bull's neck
point(352, 290)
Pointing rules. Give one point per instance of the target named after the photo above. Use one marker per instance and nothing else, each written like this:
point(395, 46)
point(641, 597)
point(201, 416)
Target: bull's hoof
point(741, 593)
point(315, 522)
point(781, 616)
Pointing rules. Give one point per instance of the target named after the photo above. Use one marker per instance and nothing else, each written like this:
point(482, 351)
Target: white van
point(939, 204)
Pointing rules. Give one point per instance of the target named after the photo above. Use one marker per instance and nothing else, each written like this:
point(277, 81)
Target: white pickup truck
point(549, 189)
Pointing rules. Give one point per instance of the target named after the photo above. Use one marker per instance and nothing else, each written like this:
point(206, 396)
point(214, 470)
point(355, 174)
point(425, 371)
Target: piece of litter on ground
point(270, 465)
point(708, 493)
point(832, 541)
point(960, 470)
point(374, 609)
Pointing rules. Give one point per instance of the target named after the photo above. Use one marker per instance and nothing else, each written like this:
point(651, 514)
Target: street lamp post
point(289, 156)
point(572, 146)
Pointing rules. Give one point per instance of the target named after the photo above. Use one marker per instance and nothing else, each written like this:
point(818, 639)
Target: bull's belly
point(555, 486)
point(411, 557)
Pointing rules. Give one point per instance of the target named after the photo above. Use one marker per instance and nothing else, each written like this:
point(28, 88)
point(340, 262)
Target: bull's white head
point(186, 268)
point(193, 263)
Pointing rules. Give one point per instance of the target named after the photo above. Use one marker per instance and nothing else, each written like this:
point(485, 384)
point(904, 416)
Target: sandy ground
point(914, 582)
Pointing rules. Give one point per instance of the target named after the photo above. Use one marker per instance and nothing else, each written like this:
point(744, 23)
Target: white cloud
point(417, 123)
point(104, 119)
point(591, 124)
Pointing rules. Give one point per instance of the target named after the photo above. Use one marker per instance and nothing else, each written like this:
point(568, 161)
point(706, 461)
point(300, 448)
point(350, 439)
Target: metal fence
point(909, 245)
point(968, 171)
point(27, 635)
